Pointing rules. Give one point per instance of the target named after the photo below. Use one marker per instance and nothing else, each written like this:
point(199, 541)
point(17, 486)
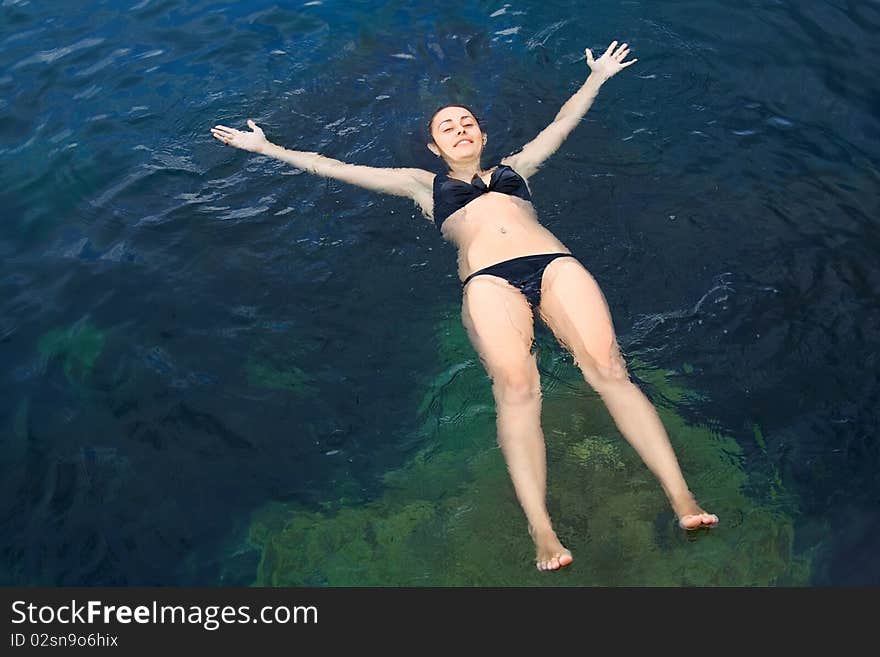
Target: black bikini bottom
point(525, 273)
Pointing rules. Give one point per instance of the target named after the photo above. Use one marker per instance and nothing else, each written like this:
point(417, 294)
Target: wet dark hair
point(443, 107)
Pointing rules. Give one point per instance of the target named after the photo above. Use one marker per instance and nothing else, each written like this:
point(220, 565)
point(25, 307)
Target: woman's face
point(456, 134)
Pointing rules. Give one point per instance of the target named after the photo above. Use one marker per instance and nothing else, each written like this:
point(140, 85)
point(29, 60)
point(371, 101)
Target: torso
point(495, 227)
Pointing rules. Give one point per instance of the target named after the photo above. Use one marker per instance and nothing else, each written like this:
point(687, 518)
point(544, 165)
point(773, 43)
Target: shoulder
point(420, 176)
point(520, 163)
point(420, 180)
point(516, 163)
point(421, 189)
point(401, 181)
point(509, 161)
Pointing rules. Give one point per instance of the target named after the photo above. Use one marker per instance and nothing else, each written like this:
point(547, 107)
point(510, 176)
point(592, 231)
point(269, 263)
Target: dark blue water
point(189, 332)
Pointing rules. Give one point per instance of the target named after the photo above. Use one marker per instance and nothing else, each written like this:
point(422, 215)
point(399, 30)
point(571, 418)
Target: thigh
point(573, 306)
point(500, 325)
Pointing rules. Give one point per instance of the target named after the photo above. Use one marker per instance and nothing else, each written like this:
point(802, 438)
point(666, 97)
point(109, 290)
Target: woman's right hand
point(254, 142)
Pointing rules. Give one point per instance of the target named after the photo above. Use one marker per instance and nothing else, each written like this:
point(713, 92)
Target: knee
point(609, 375)
point(516, 387)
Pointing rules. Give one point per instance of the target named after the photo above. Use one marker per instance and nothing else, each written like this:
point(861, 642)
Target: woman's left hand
point(611, 62)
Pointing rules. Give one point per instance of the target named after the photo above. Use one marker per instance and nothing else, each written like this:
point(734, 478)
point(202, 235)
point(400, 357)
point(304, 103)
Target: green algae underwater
point(77, 346)
point(449, 516)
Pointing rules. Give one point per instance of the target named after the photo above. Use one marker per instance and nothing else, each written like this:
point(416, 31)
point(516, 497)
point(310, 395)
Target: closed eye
point(463, 125)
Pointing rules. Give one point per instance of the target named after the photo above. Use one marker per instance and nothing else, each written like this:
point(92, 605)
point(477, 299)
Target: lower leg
point(522, 443)
point(638, 421)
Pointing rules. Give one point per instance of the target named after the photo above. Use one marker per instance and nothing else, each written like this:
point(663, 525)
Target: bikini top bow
point(503, 179)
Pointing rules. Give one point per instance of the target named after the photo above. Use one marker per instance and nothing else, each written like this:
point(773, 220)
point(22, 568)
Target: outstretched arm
point(533, 154)
point(412, 183)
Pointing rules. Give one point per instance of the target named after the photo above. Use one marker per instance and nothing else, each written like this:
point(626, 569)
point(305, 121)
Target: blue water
point(188, 332)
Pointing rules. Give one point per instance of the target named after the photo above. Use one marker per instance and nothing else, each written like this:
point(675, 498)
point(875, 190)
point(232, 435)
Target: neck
point(465, 168)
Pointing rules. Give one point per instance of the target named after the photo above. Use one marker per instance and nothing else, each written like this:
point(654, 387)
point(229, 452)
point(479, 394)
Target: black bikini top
point(450, 194)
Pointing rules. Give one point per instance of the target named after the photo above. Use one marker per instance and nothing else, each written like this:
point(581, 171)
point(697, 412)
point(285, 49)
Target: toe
point(554, 564)
point(690, 521)
point(697, 520)
point(565, 559)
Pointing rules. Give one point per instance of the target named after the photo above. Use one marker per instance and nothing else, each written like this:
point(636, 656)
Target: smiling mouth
point(461, 141)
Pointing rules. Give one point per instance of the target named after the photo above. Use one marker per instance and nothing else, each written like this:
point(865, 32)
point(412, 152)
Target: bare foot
point(550, 553)
point(690, 515)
